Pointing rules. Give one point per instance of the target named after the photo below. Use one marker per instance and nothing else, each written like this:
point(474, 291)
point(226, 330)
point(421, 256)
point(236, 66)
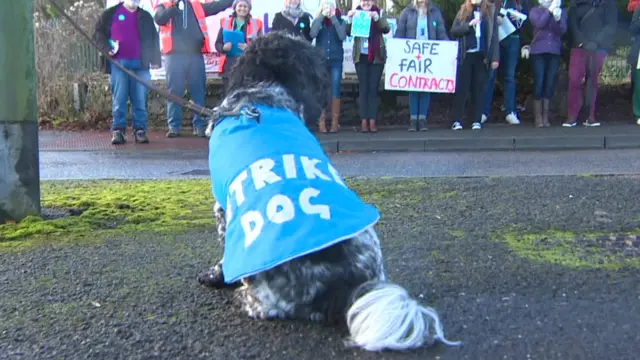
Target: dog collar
point(248, 111)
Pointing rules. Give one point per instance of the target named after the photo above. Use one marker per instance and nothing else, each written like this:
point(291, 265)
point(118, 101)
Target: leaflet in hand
point(361, 24)
point(234, 37)
point(115, 45)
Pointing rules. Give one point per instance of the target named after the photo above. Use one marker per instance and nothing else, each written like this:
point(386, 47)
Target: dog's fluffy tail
point(386, 317)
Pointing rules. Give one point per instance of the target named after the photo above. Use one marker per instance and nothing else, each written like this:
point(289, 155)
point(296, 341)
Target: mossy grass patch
point(87, 211)
point(580, 251)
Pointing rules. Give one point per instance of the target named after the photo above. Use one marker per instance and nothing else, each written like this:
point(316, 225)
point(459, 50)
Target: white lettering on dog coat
point(282, 197)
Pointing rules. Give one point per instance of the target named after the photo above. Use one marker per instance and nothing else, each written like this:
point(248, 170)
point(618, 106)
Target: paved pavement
point(136, 297)
point(189, 164)
point(493, 137)
point(395, 152)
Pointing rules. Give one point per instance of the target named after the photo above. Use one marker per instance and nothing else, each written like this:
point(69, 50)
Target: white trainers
point(476, 126)
point(512, 119)
point(483, 119)
point(456, 126)
point(638, 122)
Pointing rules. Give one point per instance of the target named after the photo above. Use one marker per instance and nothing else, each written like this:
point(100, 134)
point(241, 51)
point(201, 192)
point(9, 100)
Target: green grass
point(162, 206)
point(563, 248)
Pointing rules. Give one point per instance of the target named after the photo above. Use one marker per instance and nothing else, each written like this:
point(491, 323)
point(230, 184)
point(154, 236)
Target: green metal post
point(19, 160)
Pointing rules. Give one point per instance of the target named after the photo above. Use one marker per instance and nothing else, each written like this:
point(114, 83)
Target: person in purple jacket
point(138, 50)
point(549, 25)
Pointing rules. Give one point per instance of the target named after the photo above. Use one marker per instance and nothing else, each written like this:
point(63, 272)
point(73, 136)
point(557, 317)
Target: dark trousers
point(545, 70)
point(183, 70)
point(369, 75)
point(471, 78)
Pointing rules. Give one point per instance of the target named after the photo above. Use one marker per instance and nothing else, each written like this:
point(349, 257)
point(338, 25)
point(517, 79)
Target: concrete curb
point(497, 143)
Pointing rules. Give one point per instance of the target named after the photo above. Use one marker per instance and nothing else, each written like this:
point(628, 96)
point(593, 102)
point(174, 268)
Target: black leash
point(209, 113)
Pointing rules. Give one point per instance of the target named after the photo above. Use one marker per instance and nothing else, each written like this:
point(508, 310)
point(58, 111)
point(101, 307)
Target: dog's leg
point(213, 277)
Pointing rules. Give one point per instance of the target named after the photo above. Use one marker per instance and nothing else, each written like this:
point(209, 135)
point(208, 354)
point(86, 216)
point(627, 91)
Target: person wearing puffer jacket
point(593, 25)
point(549, 23)
point(421, 20)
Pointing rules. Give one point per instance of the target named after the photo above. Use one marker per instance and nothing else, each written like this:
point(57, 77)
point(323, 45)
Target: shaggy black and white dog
point(343, 278)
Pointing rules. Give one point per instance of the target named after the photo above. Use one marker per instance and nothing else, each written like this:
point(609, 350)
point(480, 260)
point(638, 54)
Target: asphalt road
point(164, 165)
point(136, 297)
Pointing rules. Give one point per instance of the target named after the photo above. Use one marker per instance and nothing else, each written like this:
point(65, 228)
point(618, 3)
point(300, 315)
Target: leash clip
point(251, 112)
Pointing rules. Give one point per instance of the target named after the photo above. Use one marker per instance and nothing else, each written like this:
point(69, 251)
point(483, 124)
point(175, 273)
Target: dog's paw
point(272, 314)
point(212, 277)
point(317, 317)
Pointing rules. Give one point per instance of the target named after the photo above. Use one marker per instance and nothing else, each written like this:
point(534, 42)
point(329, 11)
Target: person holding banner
point(293, 20)
point(235, 34)
point(329, 30)
point(369, 57)
point(127, 33)
point(421, 20)
point(512, 15)
point(184, 39)
point(476, 28)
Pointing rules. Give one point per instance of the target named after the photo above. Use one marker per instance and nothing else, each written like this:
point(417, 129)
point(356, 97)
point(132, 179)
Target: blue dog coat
point(282, 197)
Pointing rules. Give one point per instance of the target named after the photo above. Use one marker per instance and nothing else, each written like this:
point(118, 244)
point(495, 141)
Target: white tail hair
point(386, 317)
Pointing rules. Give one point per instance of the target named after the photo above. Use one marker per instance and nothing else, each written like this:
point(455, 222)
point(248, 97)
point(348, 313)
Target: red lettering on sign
point(398, 81)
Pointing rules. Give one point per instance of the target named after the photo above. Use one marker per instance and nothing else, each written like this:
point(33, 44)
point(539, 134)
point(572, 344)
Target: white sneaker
point(483, 119)
point(456, 126)
point(512, 119)
point(638, 122)
point(476, 126)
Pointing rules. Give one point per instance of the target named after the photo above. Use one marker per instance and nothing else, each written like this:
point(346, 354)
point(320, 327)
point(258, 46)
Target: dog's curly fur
point(332, 284)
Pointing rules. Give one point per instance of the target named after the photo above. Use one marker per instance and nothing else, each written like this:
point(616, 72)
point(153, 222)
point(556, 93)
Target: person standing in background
point(592, 25)
point(549, 25)
point(632, 58)
point(421, 20)
point(293, 20)
point(184, 37)
point(509, 56)
point(369, 57)
point(127, 33)
point(476, 28)
point(329, 30)
point(240, 20)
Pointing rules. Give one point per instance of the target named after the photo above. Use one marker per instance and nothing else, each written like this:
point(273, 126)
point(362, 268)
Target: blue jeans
point(334, 68)
point(183, 68)
point(419, 104)
point(509, 55)
point(545, 70)
point(125, 88)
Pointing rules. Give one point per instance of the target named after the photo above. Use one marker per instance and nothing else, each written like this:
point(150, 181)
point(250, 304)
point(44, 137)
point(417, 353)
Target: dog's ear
point(290, 62)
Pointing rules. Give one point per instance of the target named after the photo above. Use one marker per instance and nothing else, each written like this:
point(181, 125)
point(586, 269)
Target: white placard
point(417, 65)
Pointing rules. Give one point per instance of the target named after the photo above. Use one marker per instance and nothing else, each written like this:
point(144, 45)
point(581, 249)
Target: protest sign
point(416, 65)
point(361, 24)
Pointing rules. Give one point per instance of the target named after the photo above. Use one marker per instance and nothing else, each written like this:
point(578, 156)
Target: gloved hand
point(524, 52)
point(557, 14)
point(590, 46)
